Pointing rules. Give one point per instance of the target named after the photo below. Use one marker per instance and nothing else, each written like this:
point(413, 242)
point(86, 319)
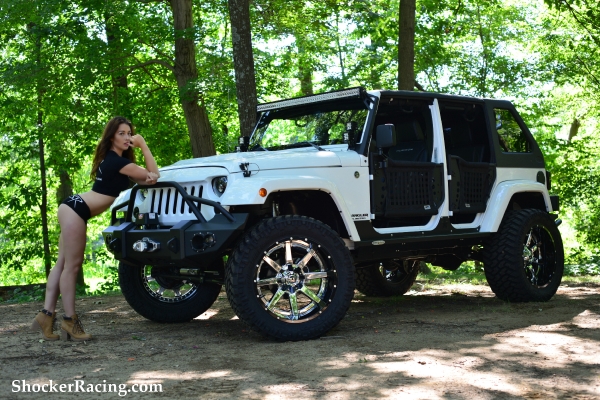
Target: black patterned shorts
point(77, 204)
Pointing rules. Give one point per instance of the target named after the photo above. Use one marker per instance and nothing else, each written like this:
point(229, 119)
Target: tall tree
point(36, 33)
point(243, 62)
point(406, 45)
point(186, 74)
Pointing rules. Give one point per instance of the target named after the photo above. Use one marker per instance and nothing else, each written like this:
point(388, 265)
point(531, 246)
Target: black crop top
point(109, 180)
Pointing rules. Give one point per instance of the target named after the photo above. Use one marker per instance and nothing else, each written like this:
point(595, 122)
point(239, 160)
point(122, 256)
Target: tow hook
point(146, 245)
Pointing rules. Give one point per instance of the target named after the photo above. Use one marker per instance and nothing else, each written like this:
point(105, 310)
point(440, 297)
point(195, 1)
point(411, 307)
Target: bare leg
point(73, 238)
point(52, 286)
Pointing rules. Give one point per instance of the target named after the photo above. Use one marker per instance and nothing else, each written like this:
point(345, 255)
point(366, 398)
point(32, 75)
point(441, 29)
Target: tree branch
point(143, 68)
point(157, 50)
point(589, 71)
point(576, 15)
point(150, 62)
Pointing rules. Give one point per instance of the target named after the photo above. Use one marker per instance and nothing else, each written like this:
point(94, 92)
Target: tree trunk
point(406, 45)
point(65, 189)
point(186, 75)
point(119, 77)
point(340, 49)
point(40, 132)
point(483, 71)
point(374, 76)
point(243, 62)
point(305, 69)
point(575, 125)
point(44, 204)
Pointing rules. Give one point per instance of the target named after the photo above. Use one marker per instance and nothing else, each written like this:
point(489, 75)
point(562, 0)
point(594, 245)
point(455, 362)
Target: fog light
point(201, 242)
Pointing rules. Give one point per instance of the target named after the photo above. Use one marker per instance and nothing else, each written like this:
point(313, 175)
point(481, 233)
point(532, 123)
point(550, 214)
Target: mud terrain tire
point(388, 278)
point(524, 260)
point(158, 299)
point(290, 278)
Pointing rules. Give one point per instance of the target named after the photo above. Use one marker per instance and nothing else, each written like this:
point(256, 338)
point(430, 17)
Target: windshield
point(317, 125)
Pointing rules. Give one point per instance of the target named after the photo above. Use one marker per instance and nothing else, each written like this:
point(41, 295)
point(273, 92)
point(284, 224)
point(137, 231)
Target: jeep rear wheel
point(524, 260)
point(387, 278)
point(290, 278)
point(164, 299)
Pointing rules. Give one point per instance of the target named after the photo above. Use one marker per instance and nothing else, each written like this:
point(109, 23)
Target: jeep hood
point(264, 160)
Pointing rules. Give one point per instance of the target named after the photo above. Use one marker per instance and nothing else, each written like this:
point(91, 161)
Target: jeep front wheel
point(387, 278)
point(524, 260)
point(290, 278)
point(165, 299)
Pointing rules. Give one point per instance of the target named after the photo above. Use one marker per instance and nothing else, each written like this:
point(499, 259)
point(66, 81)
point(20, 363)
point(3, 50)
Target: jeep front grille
point(168, 201)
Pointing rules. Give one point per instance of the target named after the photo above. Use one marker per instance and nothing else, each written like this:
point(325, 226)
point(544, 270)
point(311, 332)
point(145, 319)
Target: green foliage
point(67, 67)
point(471, 273)
point(24, 296)
point(111, 281)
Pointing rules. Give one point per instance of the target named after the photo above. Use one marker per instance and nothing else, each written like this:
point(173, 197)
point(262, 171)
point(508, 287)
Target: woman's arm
point(143, 176)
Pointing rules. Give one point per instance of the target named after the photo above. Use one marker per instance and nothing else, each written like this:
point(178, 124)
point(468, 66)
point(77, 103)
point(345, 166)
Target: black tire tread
point(154, 310)
point(257, 319)
point(502, 258)
point(370, 282)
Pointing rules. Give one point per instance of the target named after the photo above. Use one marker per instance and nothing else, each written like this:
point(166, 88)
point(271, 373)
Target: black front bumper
point(189, 243)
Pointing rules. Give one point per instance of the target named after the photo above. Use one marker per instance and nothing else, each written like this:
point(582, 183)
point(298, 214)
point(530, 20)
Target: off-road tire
point(379, 280)
point(522, 271)
point(300, 303)
point(141, 296)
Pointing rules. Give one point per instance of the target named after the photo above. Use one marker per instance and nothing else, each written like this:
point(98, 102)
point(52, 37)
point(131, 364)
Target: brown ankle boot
point(72, 328)
point(44, 321)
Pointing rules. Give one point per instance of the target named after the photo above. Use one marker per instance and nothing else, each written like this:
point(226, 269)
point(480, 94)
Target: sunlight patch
point(208, 314)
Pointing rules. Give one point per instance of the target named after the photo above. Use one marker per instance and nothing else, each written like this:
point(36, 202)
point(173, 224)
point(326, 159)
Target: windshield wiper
point(257, 146)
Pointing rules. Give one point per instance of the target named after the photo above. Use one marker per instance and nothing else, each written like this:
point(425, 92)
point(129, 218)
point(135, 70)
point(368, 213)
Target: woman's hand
point(151, 178)
point(138, 141)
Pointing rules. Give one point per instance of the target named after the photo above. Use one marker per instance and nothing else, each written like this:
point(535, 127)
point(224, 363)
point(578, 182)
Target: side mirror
point(385, 135)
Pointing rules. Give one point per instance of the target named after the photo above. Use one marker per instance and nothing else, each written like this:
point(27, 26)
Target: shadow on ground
point(447, 342)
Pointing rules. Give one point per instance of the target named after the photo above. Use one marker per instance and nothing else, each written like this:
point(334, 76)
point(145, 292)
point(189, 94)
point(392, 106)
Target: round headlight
point(219, 185)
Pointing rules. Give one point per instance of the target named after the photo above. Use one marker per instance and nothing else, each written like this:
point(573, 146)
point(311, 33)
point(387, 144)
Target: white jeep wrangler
point(337, 191)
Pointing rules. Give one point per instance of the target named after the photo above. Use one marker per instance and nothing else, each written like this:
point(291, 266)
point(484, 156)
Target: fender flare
point(501, 196)
point(246, 192)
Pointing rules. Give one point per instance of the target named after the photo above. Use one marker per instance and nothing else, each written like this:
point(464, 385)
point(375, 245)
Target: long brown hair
point(105, 144)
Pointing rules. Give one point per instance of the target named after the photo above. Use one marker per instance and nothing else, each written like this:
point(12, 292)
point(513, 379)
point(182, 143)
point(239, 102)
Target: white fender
point(246, 191)
point(500, 197)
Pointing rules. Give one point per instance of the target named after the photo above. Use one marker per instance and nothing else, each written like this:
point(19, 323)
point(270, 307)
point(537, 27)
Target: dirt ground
point(438, 342)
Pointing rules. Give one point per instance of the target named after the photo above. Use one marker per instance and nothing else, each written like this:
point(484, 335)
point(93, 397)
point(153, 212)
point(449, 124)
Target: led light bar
point(338, 94)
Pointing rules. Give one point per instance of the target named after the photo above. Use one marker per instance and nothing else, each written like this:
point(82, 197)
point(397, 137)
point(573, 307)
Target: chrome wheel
point(524, 260)
point(387, 278)
point(290, 278)
point(396, 271)
point(166, 290)
point(539, 256)
point(295, 280)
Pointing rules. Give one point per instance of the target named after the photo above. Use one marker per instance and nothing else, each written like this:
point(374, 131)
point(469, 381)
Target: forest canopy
point(66, 67)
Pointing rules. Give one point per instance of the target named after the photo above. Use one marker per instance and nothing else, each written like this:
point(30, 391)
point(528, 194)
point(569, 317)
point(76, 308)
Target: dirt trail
point(447, 342)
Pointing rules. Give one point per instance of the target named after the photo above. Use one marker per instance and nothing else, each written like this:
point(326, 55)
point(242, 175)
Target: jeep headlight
point(219, 185)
